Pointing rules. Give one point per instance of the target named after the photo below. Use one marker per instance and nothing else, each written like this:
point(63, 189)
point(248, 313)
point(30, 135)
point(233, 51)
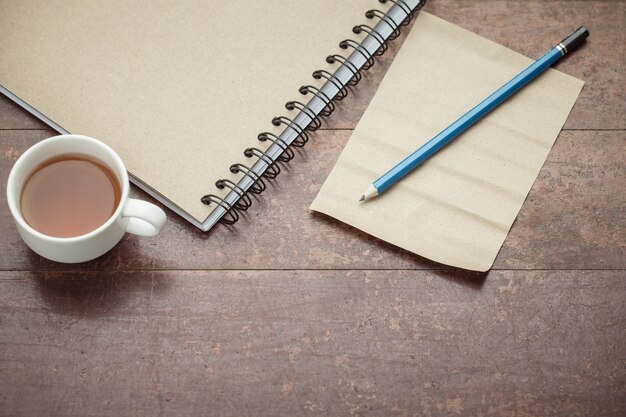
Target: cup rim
point(119, 170)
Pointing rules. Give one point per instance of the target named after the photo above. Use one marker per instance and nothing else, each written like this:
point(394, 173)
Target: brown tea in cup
point(69, 195)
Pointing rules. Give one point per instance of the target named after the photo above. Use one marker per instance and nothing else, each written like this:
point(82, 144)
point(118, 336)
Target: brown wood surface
point(313, 343)
point(293, 313)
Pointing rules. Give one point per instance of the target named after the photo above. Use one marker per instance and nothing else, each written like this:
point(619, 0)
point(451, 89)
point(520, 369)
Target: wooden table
point(293, 313)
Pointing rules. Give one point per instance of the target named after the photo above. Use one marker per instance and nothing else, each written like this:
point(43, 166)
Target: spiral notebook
point(192, 94)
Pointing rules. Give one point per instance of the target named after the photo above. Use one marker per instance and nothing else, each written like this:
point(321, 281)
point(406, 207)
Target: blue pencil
point(468, 119)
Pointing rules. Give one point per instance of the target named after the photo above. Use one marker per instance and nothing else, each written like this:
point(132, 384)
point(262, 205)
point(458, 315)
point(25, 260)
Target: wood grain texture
point(573, 218)
point(292, 313)
point(309, 343)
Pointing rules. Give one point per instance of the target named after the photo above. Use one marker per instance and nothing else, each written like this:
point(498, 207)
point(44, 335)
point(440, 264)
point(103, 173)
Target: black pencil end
point(575, 39)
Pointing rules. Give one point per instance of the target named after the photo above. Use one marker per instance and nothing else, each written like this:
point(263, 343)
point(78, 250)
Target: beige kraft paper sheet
point(178, 88)
point(458, 207)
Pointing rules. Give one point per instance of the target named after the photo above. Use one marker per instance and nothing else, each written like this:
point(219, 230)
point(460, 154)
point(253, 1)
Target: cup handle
point(144, 219)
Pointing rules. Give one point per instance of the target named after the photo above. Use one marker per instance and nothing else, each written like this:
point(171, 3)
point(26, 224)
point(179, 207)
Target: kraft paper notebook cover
point(181, 88)
point(458, 207)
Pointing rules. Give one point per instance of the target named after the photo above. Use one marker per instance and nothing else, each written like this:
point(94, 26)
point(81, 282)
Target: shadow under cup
point(78, 248)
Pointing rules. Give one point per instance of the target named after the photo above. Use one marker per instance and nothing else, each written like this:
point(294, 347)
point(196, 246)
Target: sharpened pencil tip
point(369, 193)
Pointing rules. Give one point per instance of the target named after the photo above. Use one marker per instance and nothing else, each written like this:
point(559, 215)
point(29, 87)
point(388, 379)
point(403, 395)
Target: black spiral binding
point(258, 185)
point(287, 153)
point(342, 92)
point(356, 74)
point(244, 201)
point(395, 26)
point(330, 105)
point(272, 169)
point(231, 216)
point(314, 121)
point(369, 59)
point(301, 136)
point(381, 41)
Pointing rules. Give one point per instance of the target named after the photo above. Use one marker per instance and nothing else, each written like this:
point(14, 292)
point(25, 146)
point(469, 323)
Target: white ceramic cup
point(131, 215)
